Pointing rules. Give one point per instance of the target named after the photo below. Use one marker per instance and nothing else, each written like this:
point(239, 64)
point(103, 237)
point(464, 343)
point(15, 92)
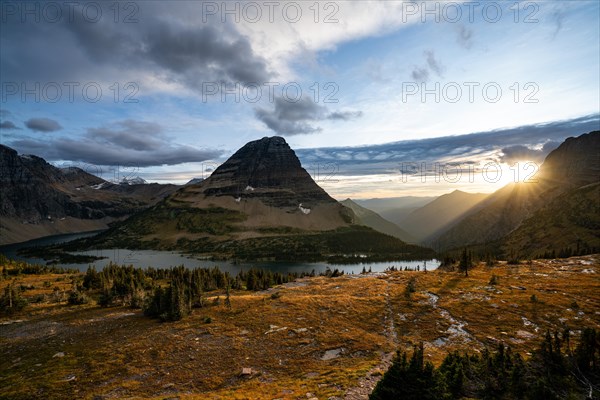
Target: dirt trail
point(367, 383)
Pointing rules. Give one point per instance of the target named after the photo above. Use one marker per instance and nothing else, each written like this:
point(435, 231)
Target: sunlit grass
point(117, 352)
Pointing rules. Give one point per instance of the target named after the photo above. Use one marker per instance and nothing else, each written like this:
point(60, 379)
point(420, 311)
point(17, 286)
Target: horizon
point(425, 179)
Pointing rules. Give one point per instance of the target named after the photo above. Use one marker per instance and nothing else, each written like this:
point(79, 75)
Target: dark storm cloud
point(530, 142)
point(129, 142)
point(161, 45)
point(8, 125)
point(43, 125)
point(295, 118)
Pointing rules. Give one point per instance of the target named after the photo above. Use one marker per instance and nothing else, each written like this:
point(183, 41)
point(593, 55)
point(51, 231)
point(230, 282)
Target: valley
point(321, 337)
point(313, 200)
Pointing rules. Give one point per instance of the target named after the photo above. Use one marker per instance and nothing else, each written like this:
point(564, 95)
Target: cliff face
point(35, 196)
point(269, 170)
point(32, 189)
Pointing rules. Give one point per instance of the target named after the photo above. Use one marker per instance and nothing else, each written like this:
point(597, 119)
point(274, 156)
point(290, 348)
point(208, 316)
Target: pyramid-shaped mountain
point(267, 169)
point(259, 204)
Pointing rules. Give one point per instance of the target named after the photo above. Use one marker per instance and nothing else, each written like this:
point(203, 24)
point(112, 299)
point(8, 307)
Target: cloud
point(420, 74)
point(43, 125)
point(558, 17)
point(128, 142)
point(345, 115)
point(167, 46)
point(296, 118)
point(530, 142)
point(465, 37)
point(8, 125)
point(517, 153)
point(434, 64)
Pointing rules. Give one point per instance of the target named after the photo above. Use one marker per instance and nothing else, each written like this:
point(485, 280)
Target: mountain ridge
point(571, 166)
point(38, 199)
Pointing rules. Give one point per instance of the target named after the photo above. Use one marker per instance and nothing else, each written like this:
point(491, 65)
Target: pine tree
point(465, 262)
point(227, 299)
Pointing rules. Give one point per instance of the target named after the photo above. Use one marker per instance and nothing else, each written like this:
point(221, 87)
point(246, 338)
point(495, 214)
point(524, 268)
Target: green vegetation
point(553, 372)
point(16, 268)
point(567, 226)
point(11, 300)
point(174, 291)
point(332, 246)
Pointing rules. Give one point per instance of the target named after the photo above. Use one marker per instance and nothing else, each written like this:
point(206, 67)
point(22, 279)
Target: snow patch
point(133, 181)
point(99, 186)
point(305, 211)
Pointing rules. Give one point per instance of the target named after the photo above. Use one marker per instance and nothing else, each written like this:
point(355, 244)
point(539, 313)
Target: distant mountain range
point(38, 199)
point(395, 209)
point(439, 215)
point(373, 220)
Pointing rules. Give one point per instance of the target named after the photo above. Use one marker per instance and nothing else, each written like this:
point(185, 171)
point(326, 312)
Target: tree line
point(554, 371)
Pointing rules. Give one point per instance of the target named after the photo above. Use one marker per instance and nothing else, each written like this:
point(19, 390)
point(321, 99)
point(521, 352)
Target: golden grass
point(118, 353)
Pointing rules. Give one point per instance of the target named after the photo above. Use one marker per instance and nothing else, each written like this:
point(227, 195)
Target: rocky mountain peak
point(576, 162)
point(267, 169)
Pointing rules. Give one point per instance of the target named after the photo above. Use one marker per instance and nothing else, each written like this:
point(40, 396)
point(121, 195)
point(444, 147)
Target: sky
point(378, 98)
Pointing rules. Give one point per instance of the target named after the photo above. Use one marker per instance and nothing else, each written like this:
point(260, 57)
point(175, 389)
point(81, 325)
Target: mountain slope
point(373, 220)
point(38, 199)
point(395, 209)
point(431, 220)
point(259, 204)
point(570, 222)
point(573, 165)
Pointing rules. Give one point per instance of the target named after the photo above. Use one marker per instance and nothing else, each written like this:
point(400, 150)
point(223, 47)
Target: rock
point(246, 372)
point(331, 354)
point(59, 355)
point(259, 170)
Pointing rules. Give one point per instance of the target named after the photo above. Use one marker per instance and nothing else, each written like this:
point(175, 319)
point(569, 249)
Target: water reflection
point(166, 259)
